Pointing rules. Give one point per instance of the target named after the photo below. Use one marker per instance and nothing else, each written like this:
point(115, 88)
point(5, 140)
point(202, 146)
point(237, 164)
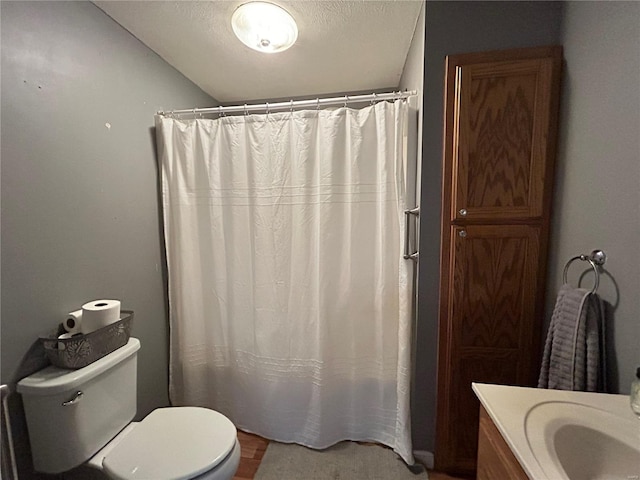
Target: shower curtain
point(289, 295)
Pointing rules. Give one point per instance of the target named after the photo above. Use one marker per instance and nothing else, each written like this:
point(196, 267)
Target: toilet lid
point(172, 444)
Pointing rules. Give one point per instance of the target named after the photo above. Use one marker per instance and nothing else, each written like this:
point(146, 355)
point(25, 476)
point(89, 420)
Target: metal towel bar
point(415, 212)
point(595, 259)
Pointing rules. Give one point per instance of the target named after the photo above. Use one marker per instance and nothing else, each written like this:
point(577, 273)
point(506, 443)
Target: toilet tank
point(72, 414)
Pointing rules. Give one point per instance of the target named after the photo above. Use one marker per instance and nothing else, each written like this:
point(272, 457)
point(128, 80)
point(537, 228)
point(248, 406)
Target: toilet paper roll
point(73, 321)
point(98, 314)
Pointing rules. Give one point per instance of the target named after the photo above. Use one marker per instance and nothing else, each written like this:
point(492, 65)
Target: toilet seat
point(175, 443)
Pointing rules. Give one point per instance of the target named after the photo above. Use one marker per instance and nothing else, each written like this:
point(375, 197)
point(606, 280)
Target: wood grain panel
point(502, 118)
point(495, 268)
point(498, 159)
point(492, 323)
point(488, 366)
point(500, 124)
point(495, 458)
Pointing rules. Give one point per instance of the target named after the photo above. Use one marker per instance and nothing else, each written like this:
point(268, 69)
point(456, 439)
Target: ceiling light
point(264, 27)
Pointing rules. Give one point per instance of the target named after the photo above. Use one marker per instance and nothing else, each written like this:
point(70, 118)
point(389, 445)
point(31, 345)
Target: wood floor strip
point(252, 449)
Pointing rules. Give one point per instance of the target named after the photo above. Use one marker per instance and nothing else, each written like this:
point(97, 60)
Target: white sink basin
point(561, 435)
point(575, 441)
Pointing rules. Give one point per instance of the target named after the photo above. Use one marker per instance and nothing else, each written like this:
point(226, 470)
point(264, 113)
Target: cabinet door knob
point(463, 212)
point(462, 233)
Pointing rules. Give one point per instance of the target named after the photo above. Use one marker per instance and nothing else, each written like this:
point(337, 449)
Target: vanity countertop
point(528, 418)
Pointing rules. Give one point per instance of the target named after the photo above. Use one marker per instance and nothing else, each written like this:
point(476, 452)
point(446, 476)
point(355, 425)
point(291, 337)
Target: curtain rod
point(291, 104)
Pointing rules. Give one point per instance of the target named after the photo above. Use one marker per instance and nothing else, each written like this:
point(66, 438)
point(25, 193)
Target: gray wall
point(80, 210)
point(412, 79)
point(456, 27)
point(597, 189)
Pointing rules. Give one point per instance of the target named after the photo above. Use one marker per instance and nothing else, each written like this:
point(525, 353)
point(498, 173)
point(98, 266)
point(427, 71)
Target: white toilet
point(84, 416)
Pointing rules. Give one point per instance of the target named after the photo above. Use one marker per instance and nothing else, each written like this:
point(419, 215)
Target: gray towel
point(574, 351)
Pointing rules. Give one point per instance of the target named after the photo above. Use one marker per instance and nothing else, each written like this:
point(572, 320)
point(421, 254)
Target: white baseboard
point(424, 457)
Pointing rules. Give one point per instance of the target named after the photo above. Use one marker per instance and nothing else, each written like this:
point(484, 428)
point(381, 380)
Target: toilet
point(84, 416)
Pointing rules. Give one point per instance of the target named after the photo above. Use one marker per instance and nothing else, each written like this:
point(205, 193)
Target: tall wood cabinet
point(499, 148)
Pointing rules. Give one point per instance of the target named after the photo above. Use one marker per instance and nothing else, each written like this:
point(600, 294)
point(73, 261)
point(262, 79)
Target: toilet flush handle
point(75, 399)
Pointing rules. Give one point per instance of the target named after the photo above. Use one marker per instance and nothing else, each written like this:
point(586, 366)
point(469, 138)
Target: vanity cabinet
point(498, 164)
point(495, 458)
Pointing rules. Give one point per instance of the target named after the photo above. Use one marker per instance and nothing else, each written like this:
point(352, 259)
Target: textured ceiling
point(343, 46)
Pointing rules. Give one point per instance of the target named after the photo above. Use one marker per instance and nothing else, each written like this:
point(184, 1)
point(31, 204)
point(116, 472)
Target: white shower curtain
point(289, 296)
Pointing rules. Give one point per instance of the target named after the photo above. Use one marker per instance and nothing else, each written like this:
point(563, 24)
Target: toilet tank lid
point(53, 380)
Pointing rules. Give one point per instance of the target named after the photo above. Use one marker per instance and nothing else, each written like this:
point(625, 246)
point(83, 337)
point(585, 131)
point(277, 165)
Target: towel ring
point(596, 259)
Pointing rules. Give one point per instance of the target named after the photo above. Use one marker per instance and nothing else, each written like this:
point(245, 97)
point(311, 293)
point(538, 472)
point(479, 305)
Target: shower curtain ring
point(291, 106)
point(245, 109)
point(268, 108)
point(317, 103)
point(346, 99)
point(373, 101)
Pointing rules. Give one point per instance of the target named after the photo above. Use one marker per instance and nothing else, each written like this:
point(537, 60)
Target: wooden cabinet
point(500, 131)
point(498, 142)
point(496, 461)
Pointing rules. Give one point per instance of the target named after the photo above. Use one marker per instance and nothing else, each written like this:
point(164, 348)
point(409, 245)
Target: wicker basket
point(81, 350)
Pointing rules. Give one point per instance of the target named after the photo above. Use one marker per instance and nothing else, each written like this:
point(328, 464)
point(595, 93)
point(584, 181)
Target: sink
point(575, 441)
point(565, 435)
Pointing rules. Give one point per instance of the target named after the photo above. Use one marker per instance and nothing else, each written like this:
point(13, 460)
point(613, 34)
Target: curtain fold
point(289, 297)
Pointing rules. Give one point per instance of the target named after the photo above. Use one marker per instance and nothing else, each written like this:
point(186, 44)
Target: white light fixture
point(265, 27)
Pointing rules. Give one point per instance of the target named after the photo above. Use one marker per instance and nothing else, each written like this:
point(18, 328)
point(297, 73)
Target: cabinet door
point(499, 149)
point(500, 115)
point(488, 320)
